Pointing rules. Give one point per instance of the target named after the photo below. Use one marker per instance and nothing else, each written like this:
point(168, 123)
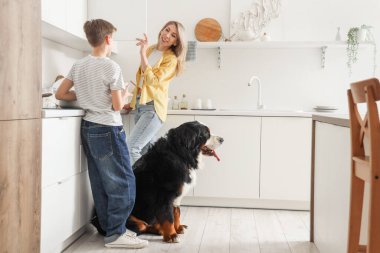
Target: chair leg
point(374, 218)
point(355, 216)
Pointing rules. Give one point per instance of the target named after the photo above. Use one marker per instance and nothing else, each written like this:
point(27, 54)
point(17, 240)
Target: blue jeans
point(112, 180)
point(147, 124)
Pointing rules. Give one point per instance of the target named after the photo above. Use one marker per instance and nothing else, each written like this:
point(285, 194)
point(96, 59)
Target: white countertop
point(253, 113)
point(56, 113)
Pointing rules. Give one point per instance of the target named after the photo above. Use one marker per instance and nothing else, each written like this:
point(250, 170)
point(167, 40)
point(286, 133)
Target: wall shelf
point(277, 44)
point(322, 45)
point(60, 36)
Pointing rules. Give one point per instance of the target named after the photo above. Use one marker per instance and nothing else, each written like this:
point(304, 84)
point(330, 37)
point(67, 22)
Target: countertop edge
point(334, 120)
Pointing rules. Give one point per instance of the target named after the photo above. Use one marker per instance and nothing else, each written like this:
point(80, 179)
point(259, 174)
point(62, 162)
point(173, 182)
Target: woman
point(160, 63)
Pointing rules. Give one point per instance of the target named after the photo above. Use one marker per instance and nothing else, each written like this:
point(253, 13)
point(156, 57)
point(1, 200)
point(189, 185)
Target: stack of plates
point(325, 108)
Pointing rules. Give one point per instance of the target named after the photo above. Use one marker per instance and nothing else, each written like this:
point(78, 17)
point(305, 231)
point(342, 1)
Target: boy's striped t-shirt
point(94, 78)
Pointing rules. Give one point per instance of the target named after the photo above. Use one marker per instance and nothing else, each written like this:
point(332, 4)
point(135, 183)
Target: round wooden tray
point(208, 29)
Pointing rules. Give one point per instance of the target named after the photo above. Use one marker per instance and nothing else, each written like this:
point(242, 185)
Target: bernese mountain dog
point(164, 175)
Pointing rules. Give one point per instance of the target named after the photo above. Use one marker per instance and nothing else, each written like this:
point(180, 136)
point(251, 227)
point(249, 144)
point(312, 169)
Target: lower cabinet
point(285, 158)
point(237, 173)
point(66, 208)
point(265, 162)
point(66, 199)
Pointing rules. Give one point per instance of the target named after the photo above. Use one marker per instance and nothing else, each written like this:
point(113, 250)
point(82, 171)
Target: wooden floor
point(224, 230)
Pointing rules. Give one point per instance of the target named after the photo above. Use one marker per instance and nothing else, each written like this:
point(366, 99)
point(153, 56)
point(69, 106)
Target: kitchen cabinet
point(285, 158)
point(20, 126)
point(265, 161)
point(173, 121)
point(61, 149)
point(128, 16)
point(20, 177)
point(66, 196)
point(332, 187)
point(54, 12)
point(66, 208)
point(237, 173)
point(331, 180)
point(68, 15)
point(76, 17)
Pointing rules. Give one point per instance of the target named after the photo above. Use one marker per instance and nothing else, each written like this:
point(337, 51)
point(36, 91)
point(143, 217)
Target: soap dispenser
point(175, 104)
point(183, 105)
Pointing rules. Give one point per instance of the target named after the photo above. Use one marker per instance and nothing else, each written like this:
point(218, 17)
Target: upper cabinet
point(128, 16)
point(76, 16)
point(54, 12)
point(68, 15)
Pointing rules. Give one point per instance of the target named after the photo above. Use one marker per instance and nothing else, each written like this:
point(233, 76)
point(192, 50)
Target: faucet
point(260, 104)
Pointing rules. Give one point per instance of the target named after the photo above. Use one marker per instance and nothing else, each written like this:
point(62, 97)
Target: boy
point(100, 91)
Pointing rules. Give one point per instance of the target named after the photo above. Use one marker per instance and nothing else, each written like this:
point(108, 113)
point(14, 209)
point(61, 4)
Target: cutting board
point(208, 29)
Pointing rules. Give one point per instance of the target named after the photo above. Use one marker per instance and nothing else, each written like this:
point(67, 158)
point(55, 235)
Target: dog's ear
point(182, 136)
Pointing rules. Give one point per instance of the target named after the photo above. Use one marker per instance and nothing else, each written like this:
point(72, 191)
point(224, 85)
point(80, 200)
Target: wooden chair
point(365, 164)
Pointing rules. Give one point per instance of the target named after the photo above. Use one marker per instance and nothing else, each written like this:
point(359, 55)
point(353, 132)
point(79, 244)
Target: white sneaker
point(128, 240)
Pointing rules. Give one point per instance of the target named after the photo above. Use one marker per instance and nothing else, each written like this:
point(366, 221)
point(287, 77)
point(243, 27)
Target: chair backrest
point(367, 127)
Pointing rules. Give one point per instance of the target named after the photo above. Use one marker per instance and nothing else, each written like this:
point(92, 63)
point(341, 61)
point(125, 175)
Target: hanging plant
point(352, 47)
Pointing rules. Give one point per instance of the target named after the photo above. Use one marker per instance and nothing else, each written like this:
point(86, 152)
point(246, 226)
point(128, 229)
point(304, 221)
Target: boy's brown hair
point(96, 30)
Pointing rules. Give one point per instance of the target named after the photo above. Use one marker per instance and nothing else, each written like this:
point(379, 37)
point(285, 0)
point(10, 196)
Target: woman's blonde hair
point(181, 45)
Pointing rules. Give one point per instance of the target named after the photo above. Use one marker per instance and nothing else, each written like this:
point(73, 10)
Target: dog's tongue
point(215, 155)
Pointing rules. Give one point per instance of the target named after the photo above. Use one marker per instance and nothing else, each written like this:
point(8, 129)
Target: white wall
point(56, 60)
point(291, 78)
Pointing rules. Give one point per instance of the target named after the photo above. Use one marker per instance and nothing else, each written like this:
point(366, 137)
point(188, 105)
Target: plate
point(324, 110)
point(327, 107)
point(212, 109)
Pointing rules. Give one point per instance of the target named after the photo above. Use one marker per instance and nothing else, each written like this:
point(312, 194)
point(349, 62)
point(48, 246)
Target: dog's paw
point(173, 238)
point(181, 229)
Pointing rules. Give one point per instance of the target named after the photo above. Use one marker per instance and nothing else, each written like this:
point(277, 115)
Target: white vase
point(246, 35)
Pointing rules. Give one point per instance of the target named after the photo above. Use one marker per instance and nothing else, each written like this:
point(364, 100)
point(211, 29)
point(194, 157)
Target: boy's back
point(94, 78)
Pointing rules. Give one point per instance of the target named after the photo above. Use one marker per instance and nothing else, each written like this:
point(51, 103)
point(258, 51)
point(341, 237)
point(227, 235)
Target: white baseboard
point(246, 203)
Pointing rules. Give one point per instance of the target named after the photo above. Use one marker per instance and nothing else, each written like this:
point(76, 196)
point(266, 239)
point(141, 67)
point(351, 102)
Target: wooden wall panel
point(20, 59)
point(20, 184)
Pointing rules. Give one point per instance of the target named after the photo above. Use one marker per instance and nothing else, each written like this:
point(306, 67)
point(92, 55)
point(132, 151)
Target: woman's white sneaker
point(128, 240)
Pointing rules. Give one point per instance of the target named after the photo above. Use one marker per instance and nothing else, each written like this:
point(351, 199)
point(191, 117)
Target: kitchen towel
point(191, 51)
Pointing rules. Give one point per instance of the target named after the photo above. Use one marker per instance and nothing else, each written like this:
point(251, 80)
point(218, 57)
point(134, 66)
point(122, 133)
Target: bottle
point(175, 104)
point(183, 105)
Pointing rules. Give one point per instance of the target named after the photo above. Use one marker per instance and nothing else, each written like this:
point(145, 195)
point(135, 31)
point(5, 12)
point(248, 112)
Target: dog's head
point(195, 138)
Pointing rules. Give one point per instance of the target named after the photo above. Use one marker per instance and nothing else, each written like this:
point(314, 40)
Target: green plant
point(352, 47)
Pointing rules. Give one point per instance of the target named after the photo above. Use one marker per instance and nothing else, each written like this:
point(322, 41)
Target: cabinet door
point(173, 121)
point(20, 168)
point(66, 207)
point(237, 173)
point(54, 12)
point(76, 16)
point(128, 16)
point(60, 149)
point(285, 158)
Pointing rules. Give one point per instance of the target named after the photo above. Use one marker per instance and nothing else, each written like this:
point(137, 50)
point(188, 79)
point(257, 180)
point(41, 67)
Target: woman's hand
point(143, 43)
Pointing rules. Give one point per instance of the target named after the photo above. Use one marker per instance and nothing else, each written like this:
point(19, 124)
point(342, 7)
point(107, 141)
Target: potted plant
point(352, 47)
